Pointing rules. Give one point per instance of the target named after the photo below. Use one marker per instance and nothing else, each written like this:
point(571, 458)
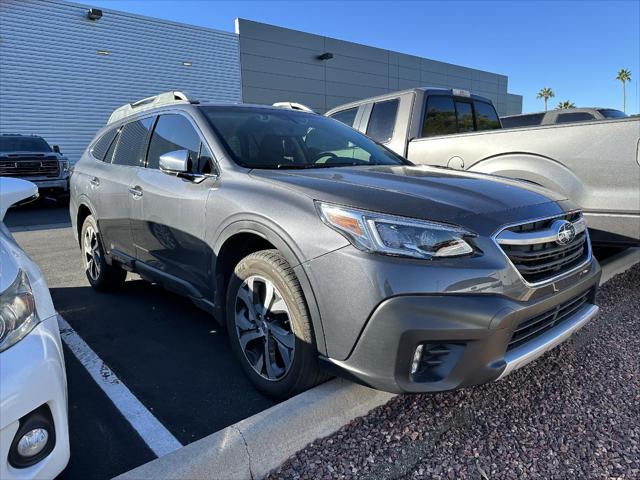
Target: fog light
point(417, 356)
point(33, 442)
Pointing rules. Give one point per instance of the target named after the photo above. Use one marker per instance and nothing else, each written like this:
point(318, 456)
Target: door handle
point(95, 181)
point(135, 191)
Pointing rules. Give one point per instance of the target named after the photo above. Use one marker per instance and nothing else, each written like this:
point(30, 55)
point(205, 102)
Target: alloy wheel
point(263, 327)
point(91, 249)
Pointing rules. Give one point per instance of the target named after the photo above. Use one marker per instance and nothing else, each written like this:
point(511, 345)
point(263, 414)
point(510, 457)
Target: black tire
point(101, 275)
point(303, 371)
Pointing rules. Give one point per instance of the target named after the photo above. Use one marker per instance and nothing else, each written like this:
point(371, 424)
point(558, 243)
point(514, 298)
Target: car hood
point(424, 192)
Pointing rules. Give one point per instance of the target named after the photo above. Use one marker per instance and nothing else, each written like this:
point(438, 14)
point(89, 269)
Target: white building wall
point(55, 83)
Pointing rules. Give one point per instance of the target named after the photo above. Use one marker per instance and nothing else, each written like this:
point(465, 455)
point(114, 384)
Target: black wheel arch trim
point(285, 245)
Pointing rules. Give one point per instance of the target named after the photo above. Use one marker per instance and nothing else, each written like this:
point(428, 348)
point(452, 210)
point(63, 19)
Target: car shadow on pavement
point(174, 357)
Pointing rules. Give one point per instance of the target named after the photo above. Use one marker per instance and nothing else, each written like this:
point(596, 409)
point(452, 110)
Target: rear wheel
point(269, 326)
point(100, 274)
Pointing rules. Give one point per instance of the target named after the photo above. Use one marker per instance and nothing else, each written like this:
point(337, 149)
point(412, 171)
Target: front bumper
point(33, 375)
point(60, 185)
point(475, 328)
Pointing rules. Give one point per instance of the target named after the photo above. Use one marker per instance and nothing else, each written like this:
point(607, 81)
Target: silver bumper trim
point(520, 356)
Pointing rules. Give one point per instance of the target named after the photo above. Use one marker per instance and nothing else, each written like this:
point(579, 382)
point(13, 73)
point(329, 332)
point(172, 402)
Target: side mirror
point(175, 162)
point(56, 148)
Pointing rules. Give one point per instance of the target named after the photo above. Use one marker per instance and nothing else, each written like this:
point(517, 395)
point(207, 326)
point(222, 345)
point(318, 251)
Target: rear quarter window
point(486, 116)
point(100, 148)
point(383, 120)
point(348, 117)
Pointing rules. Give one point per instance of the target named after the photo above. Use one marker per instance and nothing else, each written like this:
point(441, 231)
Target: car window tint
point(132, 143)
point(440, 118)
point(464, 113)
point(204, 164)
point(574, 117)
point(173, 132)
point(109, 155)
point(382, 120)
point(528, 120)
point(486, 116)
point(348, 117)
point(611, 113)
point(100, 148)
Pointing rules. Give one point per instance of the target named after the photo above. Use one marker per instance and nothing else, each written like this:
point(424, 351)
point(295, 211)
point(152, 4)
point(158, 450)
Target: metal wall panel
point(54, 83)
point(285, 64)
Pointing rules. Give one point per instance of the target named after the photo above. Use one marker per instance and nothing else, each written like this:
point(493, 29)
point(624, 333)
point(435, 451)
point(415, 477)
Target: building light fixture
point(104, 52)
point(187, 63)
point(94, 14)
point(325, 56)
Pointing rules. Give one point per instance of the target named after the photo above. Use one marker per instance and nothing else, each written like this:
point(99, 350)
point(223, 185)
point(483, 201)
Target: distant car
point(595, 164)
point(321, 247)
point(34, 438)
point(554, 117)
point(31, 158)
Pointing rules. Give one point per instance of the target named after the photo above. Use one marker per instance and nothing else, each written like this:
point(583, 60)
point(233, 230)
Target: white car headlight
point(18, 313)
point(392, 235)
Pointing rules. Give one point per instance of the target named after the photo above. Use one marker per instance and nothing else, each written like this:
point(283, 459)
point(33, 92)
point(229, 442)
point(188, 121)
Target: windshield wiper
point(303, 166)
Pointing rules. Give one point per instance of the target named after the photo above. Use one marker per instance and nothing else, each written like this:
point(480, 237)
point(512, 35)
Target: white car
point(34, 433)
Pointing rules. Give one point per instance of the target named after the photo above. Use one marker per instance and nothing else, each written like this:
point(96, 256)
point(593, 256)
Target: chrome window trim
point(550, 280)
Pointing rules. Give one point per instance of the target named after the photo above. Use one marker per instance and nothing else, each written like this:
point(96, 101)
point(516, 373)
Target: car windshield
point(11, 143)
point(270, 138)
point(611, 113)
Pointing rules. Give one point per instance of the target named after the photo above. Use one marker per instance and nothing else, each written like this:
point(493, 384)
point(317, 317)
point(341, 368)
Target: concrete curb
point(255, 446)
point(619, 263)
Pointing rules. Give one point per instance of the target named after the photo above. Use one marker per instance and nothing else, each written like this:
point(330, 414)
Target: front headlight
point(18, 313)
point(65, 166)
point(391, 235)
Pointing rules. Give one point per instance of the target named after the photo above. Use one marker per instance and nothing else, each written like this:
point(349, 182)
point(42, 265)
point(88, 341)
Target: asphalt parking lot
point(172, 356)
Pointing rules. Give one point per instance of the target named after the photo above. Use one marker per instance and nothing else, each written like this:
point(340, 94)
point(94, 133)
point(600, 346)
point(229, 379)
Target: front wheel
point(269, 326)
point(100, 274)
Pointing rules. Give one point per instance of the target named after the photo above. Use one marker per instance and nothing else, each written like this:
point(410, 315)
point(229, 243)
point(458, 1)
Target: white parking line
point(154, 434)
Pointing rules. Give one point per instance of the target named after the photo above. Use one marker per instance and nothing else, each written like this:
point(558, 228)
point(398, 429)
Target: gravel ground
point(573, 414)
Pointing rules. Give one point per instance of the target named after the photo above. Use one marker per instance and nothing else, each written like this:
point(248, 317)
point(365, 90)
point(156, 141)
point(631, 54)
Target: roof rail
point(293, 106)
point(167, 98)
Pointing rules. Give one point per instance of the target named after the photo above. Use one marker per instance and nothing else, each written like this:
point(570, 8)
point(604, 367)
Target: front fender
point(543, 171)
point(279, 238)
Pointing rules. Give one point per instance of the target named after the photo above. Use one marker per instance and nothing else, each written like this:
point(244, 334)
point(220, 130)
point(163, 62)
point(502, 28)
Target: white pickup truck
point(596, 164)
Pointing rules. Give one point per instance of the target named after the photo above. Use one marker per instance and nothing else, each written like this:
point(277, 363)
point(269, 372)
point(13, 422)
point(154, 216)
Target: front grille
point(30, 167)
point(536, 326)
point(538, 260)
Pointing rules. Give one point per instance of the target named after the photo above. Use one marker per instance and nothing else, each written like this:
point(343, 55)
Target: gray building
point(62, 73)
point(279, 64)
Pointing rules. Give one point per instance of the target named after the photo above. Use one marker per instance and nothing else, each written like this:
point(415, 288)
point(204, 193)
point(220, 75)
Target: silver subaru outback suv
point(325, 253)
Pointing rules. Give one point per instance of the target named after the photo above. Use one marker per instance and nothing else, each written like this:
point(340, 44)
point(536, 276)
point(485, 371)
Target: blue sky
point(574, 47)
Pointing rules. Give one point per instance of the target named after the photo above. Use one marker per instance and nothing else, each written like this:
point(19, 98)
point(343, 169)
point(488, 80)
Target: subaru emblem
point(566, 233)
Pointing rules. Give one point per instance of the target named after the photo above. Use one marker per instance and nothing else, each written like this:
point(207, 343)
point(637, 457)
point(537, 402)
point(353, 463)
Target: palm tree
point(546, 93)
point(566, 104)
point(624, 75)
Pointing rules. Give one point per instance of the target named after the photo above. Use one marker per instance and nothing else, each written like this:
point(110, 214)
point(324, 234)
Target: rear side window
point(533, 119)
point(486, 116)
point(574, 117)
point(173, 132)
point(440, 118)
point(611, 113)
point(348, 117)
point(100, 148)
point(132, 143)
point(464, 114)
point(383, 120)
